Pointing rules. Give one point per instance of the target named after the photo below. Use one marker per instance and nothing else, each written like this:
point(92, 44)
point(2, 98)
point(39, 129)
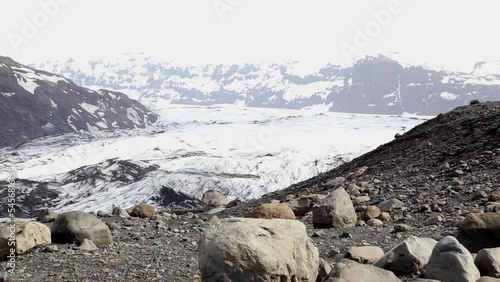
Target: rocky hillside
point(374, 85)
point(35, 103)
point(452, 159)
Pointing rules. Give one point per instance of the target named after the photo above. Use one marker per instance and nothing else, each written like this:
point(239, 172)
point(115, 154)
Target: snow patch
point(91, 109)
point(448, 96)
point(133, 116)
point(70, 124)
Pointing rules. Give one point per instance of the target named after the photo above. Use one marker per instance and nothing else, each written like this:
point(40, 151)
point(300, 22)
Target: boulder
point(335, 183)
point(360, 171)
point(360, 199)
point(371, 212)
point(143, 211)
point(76, 226)
point(233, 203)
point(409, 256)
point(120, 212)
point(375, 222)
point(364, 254)
point(214, 199)
point(103, 214)
point(300, 206)
point(28, 235)
point(334, 211)
point(494, 197)
point(248, 249)
point(385, 217)
point(479, 231)
point(88, 246)
point(350, 271)
point(46, 216)
point(389, 205)
point(488, 262)
point(488, 279)
point(269, 211)
point(323, 270)
point(450, 261)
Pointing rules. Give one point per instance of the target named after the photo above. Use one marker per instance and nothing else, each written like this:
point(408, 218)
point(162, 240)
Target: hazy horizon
point(236, 31)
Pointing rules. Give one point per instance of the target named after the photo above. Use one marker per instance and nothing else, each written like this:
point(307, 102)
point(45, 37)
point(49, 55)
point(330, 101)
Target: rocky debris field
point(424, 207)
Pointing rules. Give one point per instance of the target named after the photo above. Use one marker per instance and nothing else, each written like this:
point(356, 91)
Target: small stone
point(88, 246)
point(389, 205)
point(375, 222)
point(385, 217)
point(402, 228)
point(336, 182)
point(365, 254)
point(360, 171)
point(213, 219)
point(319, 233)
point(120, 212)
point(434, 220)
point(494, 197)
point(345, 235)
point(51, 249)
point(333, 253)
point(361, 199)
point(360, 223)
point(371, 212)
point(233, 203)
point(480, 195)
point(324, 269)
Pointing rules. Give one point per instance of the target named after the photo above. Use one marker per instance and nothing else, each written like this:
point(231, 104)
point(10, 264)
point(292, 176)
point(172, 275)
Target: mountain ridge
point(372, 85)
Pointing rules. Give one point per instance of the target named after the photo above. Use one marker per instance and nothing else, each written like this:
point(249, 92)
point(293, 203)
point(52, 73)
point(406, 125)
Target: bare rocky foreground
point(438, 182)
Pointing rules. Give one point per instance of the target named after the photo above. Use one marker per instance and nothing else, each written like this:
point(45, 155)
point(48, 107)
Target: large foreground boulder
point(245, 249)
point(27, 235)
point(350, 271)
point(450, 261)
point(479, 231)
point(334, 211)
point(76, 226)
point(270, 211)
point(409, 256)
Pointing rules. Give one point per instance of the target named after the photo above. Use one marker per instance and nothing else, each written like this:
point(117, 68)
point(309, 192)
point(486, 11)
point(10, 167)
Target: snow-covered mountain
point(242, 152)
point(36, 103)
point(374, 85)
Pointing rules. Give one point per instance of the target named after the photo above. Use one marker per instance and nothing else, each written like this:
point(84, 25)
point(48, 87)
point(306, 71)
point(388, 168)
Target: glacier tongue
point(242, 152)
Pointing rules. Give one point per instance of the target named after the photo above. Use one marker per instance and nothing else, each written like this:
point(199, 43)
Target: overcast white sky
point(192, 31)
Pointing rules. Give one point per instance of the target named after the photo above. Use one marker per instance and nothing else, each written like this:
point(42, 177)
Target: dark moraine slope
point(36, 103)
point(454, 156)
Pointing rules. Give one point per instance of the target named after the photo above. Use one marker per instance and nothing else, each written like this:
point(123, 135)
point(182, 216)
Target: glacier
point(242, 152)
